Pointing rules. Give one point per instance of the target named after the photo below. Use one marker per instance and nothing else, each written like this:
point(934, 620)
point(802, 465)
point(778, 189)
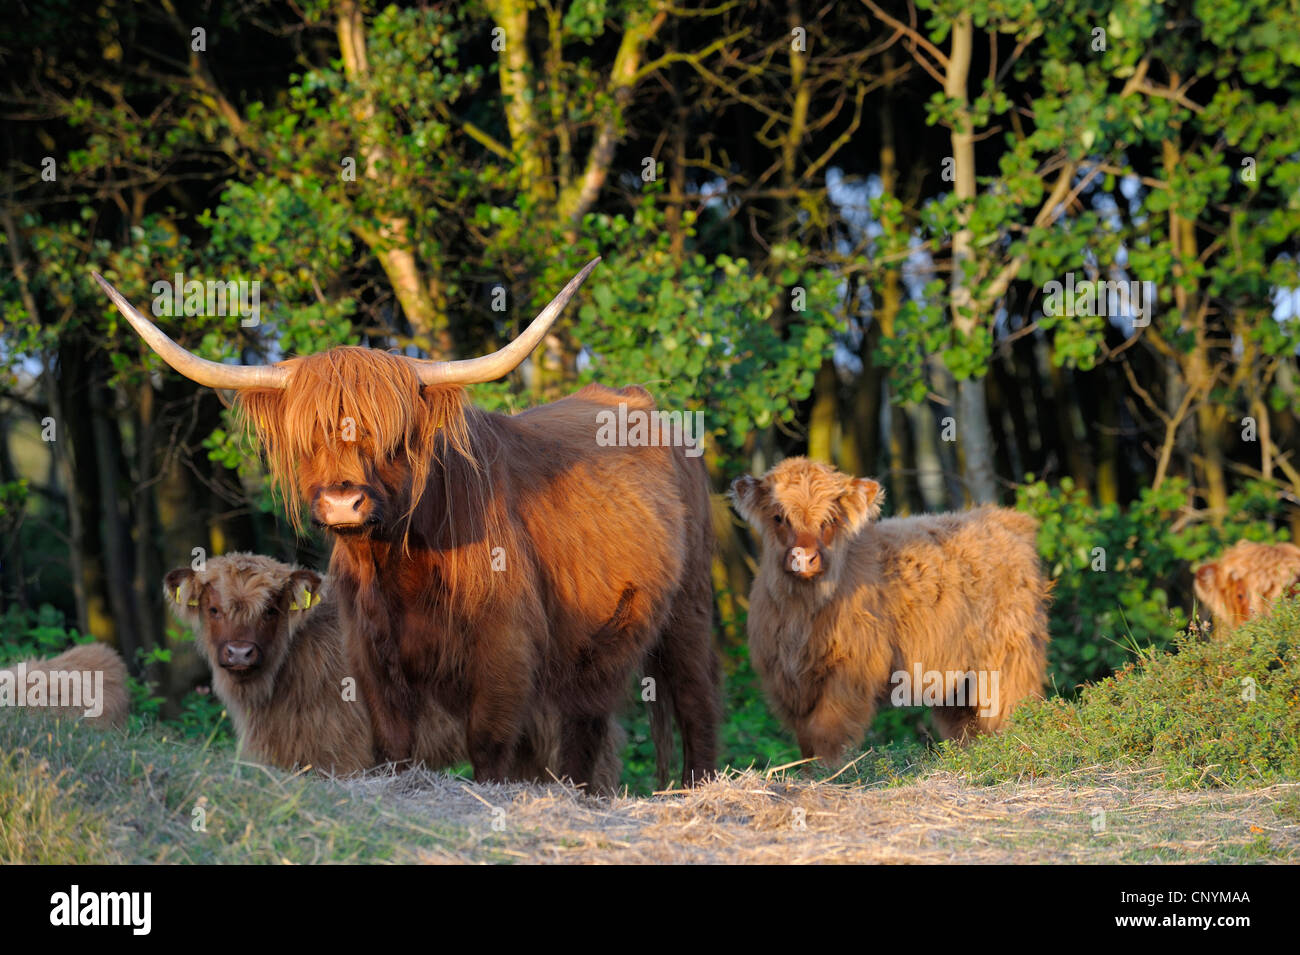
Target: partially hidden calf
point(87, 681)
point(273, 636)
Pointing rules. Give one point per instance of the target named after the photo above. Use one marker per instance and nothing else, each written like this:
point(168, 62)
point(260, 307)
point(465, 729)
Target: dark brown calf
point(272, 634)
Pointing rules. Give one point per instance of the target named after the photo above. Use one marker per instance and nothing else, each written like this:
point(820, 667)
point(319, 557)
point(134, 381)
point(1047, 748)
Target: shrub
point(1212, 713)
point(26, 634)
point(1122, 577)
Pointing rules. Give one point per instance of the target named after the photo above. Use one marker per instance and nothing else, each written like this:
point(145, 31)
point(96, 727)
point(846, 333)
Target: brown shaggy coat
point(844, 604)
point(496, 564)
point(272, 634)
point(89, 658)
point(1246, 580)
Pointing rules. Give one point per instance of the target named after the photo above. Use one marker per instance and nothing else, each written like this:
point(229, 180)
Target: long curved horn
point(214, 374)
point(469, 371)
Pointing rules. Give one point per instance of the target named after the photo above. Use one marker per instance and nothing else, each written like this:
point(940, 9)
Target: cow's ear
point(748, 496)
point(861, 503)
point(182, 591)
point(304, 590)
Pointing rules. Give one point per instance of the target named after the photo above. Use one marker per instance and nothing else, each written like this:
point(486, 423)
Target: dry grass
point(68, 794)
point(749, 817)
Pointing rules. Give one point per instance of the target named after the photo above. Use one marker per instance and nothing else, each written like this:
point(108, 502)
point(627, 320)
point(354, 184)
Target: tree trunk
point(976, 441)
point(972, 409)
point(146, 605)
point(117, 536)
point(860, 441)
point(13, 576)
point(821, 421)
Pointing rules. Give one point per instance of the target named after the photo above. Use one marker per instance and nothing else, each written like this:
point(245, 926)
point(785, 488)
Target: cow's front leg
point(490, 745)
point(394, 709)
point(581, 745)
point(389, 697)
point(501, 681)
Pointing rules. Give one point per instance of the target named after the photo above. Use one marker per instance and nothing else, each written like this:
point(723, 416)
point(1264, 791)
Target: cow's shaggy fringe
point(948, 593)
point(380, 395)
point(392, 418)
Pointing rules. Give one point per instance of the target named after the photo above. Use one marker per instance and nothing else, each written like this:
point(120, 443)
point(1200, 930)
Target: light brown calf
point(848, 612)
point(89, 678)
point(1246, 580)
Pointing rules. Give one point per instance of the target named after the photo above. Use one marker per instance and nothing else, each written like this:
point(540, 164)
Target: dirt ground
point(750, 817)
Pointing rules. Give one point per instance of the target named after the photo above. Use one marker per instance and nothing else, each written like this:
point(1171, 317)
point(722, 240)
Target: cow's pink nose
point(340, 507)
point(240, 655)
point(804, 561)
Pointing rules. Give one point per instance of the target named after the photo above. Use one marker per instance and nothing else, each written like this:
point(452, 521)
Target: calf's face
point(244, 619)
point(1228, 597)
point(803, 511)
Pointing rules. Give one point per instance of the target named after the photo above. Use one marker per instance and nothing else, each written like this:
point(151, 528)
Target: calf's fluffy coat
point(89, 658)
point(844, 603)
point(1245, 581)
point(273, 636)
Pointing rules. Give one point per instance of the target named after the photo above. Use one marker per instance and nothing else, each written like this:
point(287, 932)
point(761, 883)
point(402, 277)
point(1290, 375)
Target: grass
point(70, 794)
point(1167, 761)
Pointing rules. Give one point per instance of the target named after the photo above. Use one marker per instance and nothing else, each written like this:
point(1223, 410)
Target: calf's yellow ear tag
point(192, 603)
point(305, 600)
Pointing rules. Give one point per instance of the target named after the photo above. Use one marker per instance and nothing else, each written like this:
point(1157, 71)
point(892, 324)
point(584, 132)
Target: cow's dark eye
point(778, 520)
point(214, 612)
point(272, 611)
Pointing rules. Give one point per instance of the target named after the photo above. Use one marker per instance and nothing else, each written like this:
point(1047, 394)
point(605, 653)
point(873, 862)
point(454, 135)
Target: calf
point(848, 612)
point(1246, 580)
point(87, 681)
point(278, 650)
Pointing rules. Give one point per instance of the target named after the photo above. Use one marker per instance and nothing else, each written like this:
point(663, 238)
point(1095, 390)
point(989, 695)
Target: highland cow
point(272, 635)
point(1246, 580)
point(488, 561)
point(88, 682)
point(848, 613)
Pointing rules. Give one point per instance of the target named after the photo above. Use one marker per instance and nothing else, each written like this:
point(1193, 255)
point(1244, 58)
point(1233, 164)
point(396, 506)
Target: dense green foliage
point(1116, 571)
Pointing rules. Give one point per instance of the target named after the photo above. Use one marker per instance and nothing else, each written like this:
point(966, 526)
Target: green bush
point(26, 634)
point(1212, 713)
point(1135, 590)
